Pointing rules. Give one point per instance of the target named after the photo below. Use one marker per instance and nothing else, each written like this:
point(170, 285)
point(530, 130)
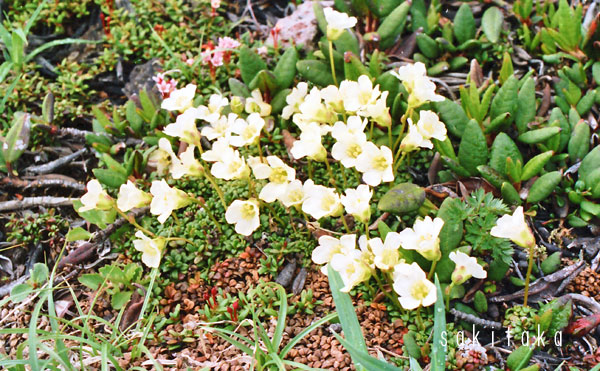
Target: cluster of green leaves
point(32, 229)
point(117, 280)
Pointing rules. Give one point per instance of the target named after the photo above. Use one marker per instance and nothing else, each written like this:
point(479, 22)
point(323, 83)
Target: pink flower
point(165, 87)
point(186, 60)
point(227, 43)
point(215, 4)
point(217, 58)
point(262, 51)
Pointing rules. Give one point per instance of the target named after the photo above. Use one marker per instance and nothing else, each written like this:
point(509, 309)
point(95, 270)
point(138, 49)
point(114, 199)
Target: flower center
point(419, 290)
point(353, 150)
point(328, 202)
point(249, 132)
point(380, 163)
point(278, 175)
point(248, 211)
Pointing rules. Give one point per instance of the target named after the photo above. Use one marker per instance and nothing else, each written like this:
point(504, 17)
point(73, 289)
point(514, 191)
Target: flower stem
point(403, 120)
point(432, 270)
point(331, 176)
point(389, 295)
point(331, 62)
point(419, 319)
point(342, 170)
point(274, 214)
point(260, 153)
point(153, 275)
point(345, 224)
point(449, 292)
point(366, 230)
point(528, 277)
point(213, 182)
point(133, 222)
point(391, 140)
point(399, 161)
point(310, 169)
point(180, 239)
point(251, 187)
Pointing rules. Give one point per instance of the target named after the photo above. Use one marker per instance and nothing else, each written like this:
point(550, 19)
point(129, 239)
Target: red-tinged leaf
point(583, 325)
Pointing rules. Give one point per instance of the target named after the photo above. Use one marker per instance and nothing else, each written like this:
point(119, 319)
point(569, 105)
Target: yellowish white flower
point(430, 126)
point(414, 139)
point(166, 199)
point(514, 228)
point(321, 201)
point(294, 194)
point(151, 248)
point(160, 160)
point(350, 140)
point(187, 165)
point(337, 22)
point(256, 104)
point(424, 237)
point(185, 128)
point(329, 246)
point(466, 267)
point(95, 198)
point(333, 98)
point(379, 111)
point(309, 144)
point(180, 99)
point(212, 112)
point(413, 287)
point(420, 88)
point(227, 162)
point(358, 95)
point(279, 175)
point(294, 100)
point(383, 255)
point(220, 150)
point(248, 131)
point(357, 202)
point(131, 197)
point(245, 215)
point(312, 109)
point(221, 128)
point(375, 164)
point(352, 268)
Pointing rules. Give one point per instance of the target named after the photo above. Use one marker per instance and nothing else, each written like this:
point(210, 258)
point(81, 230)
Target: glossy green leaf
point(473, 150)
point(491, 22)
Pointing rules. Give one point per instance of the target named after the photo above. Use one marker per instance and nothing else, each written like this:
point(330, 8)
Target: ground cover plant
point(369, 185)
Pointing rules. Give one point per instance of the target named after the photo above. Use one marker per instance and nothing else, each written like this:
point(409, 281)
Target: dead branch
point(53, 165)
point(28, 202)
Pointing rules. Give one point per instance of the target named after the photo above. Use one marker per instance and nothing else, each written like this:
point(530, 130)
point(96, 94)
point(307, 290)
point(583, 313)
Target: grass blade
point(438, 351)
point(281, 316)
point(305, 332)
point(363, 357)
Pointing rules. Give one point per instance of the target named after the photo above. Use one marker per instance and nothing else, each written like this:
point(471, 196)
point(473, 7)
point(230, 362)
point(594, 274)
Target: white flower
point(166, 199)
point(350, 140)
point(321, 201)
point(160, 160)
point(151, 249)
point(333, 98)
point(358, 95)
point(421, 89)
point(187, 165)
point(248, 131)
point(514, 228)
point(379, 111)
point(413, 288)
point(357, 202)
point(424, 237)
point(309, 145)
point(312, 109)
point(414, 139)
point(279, 175)
point(375, 164)
point(185, 127)
point(228, 164)
point(294, 100)
point(221, 128)
point(430, 126)
point(180, 99)
point(387, 254)
point(466, 267)
point(294, 194)
point(212, 112)
point(256, 104)
point(95, 198)
point(131, 197)
point(352, 268)
point(337, 22)
point(245, 215)
point(329, 246)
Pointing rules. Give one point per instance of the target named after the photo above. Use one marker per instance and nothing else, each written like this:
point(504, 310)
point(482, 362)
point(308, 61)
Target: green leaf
point(285, 70)
point(473, 150)
point(39, 273)
point(393, 25)
point(507, 69)
point(402, 199)
point(452, 232)
point(506, 98)
point(526, 108)
point(250, 64)
point(464, 24)
point(347, 43)
point(110, 178)
point(77, 234)
point(538, 135)
point(438, 350)
point(99, 217)
point(315, 71)
point(238, 88)
point(503, 147)
point(20, 292)
point(579, 144)
point(534, 166)
point(363, 358)
point(353, 67)
point(491, 22)
point(133, 118)
point(91, 280)
point(453, 115)
point(544, 186)
point(119, 299)
point(346, 313)
point(265, 81)
point(17, 139)
point(519, 358)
